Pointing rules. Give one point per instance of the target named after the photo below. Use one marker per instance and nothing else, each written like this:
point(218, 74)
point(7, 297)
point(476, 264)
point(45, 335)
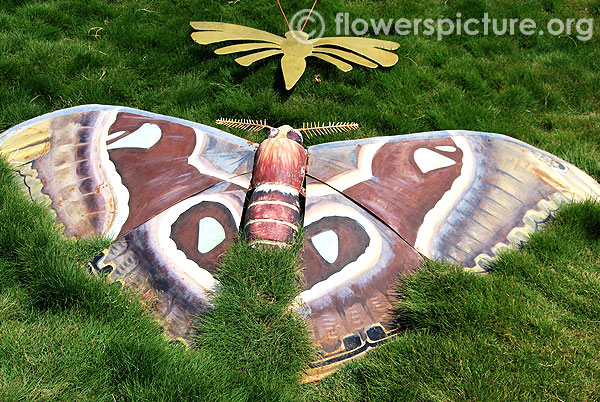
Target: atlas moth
point(173, 193)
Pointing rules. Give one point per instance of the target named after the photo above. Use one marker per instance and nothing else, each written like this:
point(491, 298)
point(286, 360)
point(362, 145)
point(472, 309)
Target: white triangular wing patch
point(327, 244)
point(210, 234)
point(144, 137)
point(428, 160)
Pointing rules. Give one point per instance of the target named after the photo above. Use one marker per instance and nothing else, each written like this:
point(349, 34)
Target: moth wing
point(352, 264)
point(107, 169)
point(456, 195)
point(172, 258)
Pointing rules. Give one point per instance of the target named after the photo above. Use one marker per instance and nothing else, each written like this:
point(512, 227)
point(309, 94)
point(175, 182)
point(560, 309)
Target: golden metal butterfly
point(295, 47)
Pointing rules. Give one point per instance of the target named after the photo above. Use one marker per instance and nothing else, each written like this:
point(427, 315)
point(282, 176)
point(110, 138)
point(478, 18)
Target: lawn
point(530, 330)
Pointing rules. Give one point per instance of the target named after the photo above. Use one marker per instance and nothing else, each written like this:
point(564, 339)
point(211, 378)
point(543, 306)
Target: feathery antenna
point(284, 17)
point(245, 124)
point(313, 128)
point(308, 17)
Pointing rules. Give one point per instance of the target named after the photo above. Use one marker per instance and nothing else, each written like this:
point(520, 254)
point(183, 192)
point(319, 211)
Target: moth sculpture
point(173, 194)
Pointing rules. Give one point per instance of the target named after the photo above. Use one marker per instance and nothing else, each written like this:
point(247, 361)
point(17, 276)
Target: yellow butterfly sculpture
point(295, 47)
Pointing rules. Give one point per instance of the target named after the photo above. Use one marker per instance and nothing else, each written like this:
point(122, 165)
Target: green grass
point(529, 331)
point(258, 344)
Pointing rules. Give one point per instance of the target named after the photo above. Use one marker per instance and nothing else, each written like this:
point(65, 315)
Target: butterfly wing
point(367, 52)
point(267, 43)
point(456, 195)
point(352, 263)
point(107, 170)
point(213, 32)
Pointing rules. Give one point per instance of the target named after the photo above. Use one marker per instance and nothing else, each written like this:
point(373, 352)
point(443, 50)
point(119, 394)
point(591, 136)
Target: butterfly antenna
point(284, 17)
point(308, 17)
point(244, 124)
point(313, 128)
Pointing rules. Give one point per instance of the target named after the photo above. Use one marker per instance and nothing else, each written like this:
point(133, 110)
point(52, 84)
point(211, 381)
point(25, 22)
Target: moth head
point(285, 131)
point(288, 132)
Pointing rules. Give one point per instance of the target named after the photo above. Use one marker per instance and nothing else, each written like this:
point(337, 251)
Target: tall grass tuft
point(258, 342)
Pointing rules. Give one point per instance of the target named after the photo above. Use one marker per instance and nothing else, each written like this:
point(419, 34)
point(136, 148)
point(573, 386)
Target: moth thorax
point(273, 213)
point(279, 160)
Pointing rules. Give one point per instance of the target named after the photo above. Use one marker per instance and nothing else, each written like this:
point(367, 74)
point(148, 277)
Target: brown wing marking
point(458, 195)
point(167, 172)
point(386, 179)
point(106, 170)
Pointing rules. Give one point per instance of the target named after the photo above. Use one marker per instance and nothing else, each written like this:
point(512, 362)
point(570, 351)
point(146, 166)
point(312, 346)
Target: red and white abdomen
point(273, 214)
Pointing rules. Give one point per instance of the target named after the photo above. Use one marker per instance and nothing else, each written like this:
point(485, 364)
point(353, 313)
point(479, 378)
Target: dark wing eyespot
point(332, 243)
